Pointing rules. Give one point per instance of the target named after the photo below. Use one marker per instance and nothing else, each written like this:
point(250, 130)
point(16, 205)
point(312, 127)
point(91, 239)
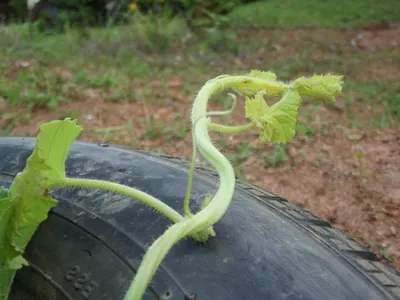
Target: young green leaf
point(267, 75)
point(27, 203)
point(52, 149)
point(319, 86)
point(256, 108)
point(278, 122)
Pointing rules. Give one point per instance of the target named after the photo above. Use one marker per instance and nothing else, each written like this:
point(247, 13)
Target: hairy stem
point(125, 190)
point(219, 204)
point(193, 162)
point(186, 207)
point(231, 129)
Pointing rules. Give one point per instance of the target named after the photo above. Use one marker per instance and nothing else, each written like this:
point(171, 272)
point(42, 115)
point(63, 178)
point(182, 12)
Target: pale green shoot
point(278, 122)
point(284, 111)
point(325, 87)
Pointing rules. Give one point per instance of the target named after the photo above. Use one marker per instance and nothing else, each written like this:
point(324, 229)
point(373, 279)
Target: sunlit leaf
point(52, 149)
point(267, 75)
point(256, 108)
point(325, 87)
point(278, 122)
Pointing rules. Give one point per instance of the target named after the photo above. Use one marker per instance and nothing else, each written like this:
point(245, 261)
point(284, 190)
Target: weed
point(10, 119)
point(155, 129)
point(238, 169)
point(371, 244)
point(39, 87)
point(178, 130)
point(106, 80)
point(151, 134)
point(239, 157)
point(115, 95)
point(132, 139)
point(323, 129)
point(275, 158)
point(385, 251)
point(383, 119)
point(12, 36)
point(377, 92)
point(243, 153)
point(7, 130)
point(73, 114)
point(305, 130)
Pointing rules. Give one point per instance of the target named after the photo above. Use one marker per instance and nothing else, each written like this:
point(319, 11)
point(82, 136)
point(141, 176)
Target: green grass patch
point(276, 157)
point(382, 96)
point(383, 92)
point(122, 62)
point(31, 88)
point(315, 13)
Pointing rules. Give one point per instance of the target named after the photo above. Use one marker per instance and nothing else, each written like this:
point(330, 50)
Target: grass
point(31, 88)
point(380, 91)
point(157, 34)
point(315, 13)
point(237, 159)
point(305, 130)
point(379, 96)
point(117, 63)
point(275, 158)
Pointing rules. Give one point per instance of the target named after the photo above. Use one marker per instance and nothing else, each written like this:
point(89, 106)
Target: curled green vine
point(251, 85)
point(194, 152)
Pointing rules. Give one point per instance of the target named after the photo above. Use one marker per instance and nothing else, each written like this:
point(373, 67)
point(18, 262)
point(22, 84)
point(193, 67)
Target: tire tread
point(352, 251)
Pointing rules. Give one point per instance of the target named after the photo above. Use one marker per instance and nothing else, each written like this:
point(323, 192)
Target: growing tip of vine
point(325, 87)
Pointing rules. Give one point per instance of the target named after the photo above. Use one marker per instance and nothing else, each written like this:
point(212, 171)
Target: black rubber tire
point(266, 247)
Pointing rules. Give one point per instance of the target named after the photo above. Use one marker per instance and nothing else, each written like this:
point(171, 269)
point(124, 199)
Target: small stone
point(191, 296)
point(393, 230)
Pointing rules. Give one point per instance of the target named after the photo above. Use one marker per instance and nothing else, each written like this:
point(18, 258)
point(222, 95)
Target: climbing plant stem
point(125, 190)
point(222, 198)
point(231, 129)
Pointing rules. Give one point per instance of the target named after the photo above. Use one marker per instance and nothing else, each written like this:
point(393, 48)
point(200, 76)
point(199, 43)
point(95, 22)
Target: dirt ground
point(350, 177)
